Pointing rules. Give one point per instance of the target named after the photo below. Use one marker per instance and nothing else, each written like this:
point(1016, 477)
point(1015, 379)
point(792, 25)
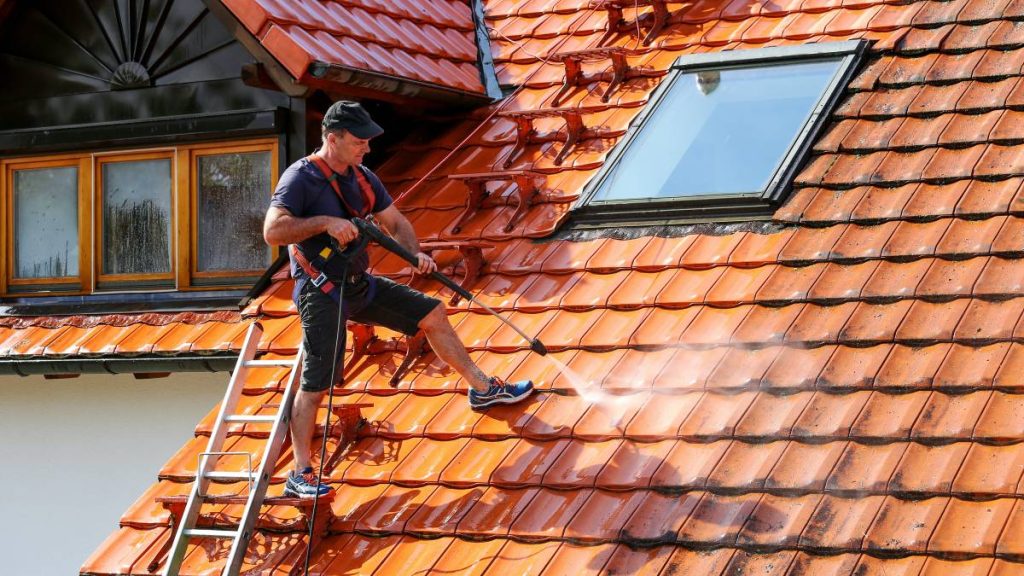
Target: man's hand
point(342, 230)
point(426, 264)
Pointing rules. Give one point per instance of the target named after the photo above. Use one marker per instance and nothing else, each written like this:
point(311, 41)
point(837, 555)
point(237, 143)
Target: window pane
point(719, 132)
point(137, 217)
point(46, 223)
point(233, 196)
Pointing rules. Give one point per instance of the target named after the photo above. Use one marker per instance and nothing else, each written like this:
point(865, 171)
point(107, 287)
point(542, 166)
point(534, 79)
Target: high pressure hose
point(339, 332)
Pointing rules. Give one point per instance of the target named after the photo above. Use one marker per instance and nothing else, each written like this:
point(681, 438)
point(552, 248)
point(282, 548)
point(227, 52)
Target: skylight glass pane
point(46, 223)
point(719, 132)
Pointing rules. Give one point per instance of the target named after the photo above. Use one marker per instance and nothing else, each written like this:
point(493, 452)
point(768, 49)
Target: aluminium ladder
point(258, 481)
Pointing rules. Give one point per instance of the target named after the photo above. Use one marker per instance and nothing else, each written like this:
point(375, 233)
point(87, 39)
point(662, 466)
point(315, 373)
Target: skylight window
point(722, 136)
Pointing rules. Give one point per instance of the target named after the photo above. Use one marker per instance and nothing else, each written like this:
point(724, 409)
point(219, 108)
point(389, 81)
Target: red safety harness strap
point(369, 198)
point(318, 277)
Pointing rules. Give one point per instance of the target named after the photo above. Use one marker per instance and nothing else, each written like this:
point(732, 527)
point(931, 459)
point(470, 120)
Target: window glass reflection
point(234, 193)
point(137, 217)
point(719, 132)
point(46, 223)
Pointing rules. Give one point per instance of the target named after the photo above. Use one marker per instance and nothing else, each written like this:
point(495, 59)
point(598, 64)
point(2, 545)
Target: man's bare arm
point(400, 228)
point(403, 232)
point(280, 227)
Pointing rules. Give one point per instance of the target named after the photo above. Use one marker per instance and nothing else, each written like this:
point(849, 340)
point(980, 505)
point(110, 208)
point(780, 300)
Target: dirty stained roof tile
point(986, 198)
point(978, 474)
point(658, 516)
point(927, 469)
point(778, 521)
point(839, 282)
point(865, 467)
point(986, 321)
point(789, 283)
point(914, 239)
point(718, 518)
point(829, 415)
point(948, 278)
point(904, 524)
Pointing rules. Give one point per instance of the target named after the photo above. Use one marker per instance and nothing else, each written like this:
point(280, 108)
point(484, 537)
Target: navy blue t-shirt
point(304, 191)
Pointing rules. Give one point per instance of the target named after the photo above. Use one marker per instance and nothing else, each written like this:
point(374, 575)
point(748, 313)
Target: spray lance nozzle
point(370, 231)
point(537, 346)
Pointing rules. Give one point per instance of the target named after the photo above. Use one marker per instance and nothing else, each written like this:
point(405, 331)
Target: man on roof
point(314, 200)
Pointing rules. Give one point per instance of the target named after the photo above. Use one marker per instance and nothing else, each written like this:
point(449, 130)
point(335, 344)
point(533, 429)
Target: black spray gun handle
point(371, 232)
point(349, 250)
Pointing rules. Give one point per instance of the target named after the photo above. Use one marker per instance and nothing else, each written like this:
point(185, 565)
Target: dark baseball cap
point(351, 116)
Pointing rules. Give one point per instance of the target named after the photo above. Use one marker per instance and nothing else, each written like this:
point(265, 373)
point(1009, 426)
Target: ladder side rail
point(199, 487)
point(271, 454)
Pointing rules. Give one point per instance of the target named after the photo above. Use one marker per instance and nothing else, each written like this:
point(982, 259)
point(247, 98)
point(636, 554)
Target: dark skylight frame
point(733, 206)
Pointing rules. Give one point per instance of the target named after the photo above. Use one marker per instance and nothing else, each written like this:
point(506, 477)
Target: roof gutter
point(485, 61)
point(114, 365)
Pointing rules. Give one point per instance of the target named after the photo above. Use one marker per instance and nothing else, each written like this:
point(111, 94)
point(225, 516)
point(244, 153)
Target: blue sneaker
point(500, 393)
point(303, 485)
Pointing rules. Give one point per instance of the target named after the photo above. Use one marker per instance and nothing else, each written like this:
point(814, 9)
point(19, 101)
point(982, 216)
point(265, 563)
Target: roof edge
point(280, 76)
point(118, 365)
point(336, 77)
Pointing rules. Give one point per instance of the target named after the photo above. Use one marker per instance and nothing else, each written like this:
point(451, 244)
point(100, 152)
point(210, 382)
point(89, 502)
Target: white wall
point(76, 453)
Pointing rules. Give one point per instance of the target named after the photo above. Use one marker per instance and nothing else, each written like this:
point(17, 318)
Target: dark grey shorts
point(377, 301)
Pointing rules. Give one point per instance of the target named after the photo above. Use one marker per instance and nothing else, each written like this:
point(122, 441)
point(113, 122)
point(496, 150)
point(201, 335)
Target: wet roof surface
point(838, 394)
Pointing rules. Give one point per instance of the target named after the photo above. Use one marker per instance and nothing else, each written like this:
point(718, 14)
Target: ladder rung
point(207, 533)
point(247, 418)
point(230, 475)
point(262, 363)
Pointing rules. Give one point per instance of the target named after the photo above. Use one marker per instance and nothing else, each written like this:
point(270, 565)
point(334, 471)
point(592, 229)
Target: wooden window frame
point(191, 244)
point(97, 209)
point(82, 283)
point(184, 220)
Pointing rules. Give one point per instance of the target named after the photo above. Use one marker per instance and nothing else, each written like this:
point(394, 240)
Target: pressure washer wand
point(389, 243)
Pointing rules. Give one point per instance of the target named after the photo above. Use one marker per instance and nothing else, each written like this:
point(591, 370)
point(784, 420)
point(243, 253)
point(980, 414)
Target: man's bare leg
point(448, 347)
point(303, 424)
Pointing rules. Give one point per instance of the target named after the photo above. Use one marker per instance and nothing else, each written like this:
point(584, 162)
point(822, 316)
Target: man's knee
point(436, 319)
point(309, 397)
